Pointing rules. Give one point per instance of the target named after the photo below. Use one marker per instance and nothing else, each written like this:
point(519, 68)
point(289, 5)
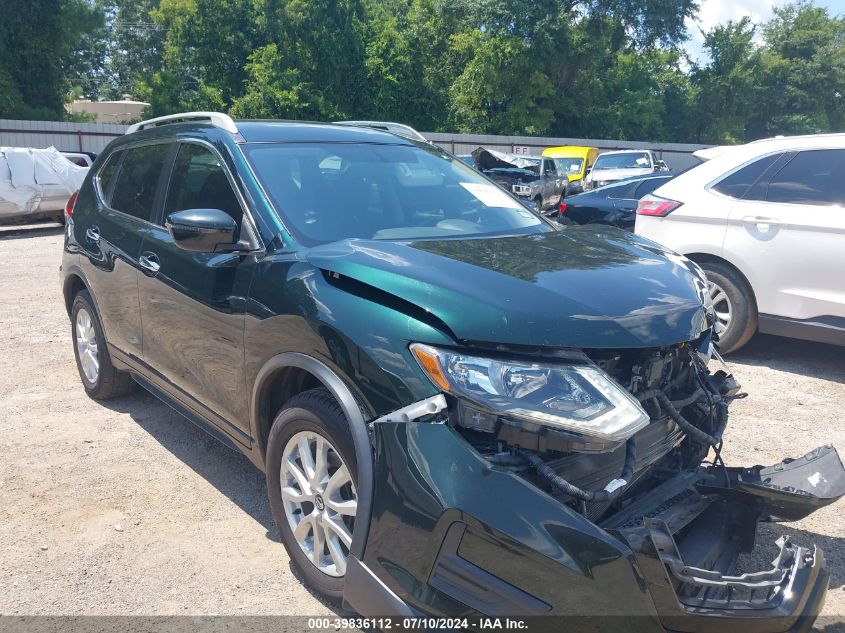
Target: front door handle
point(149, 262)
point(93, 234)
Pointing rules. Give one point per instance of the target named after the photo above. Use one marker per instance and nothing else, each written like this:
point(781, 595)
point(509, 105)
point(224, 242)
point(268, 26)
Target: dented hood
point(579, 288)
point(491, 159)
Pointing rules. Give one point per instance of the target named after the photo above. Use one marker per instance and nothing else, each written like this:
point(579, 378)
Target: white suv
point(766, 222)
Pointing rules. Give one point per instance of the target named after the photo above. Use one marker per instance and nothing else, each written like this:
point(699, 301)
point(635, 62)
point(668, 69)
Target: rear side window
point(813, 177)
point(647, 186)
point(738, 183)
point(135, 191)
point(199, 182)
point(105, 178)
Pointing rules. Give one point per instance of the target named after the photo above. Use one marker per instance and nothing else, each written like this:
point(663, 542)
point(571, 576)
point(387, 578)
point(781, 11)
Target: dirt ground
point(126, 508)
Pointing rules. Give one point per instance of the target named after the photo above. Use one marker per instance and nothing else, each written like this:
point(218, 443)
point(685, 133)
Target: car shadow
point(230, 472)
point(23, 231)
point(804, 358)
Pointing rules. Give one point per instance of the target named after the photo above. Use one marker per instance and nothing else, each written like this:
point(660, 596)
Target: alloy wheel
point(86, 346)
point(319, 499)
point(721, 304)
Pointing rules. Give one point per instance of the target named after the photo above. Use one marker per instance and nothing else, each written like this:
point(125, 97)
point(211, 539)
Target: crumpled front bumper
point(687, 533)
point(452, 535)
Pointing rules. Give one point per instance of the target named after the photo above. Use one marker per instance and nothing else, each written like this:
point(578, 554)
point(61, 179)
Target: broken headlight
point(575, 398)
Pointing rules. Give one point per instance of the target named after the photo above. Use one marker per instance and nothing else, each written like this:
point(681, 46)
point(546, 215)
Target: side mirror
point(201, 230)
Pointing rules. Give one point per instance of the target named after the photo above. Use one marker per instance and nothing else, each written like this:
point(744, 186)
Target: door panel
point(794, 251)
point(110, 262)
point(192, 311)
point(794, 254)
point(193, 304)
point(111, 234)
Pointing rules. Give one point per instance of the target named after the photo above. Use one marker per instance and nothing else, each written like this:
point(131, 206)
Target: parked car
point(461, 410)
point(765, 222)
point(614, 204)
point(36, 183)
point(531, 177)
point(614, 166)
point(575, 162)
point(394, 128)
point(466, 159)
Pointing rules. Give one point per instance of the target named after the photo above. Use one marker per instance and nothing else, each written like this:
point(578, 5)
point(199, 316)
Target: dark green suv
point(462, 409)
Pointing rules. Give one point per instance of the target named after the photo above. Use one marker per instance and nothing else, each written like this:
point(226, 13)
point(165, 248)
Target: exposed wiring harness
point(718, 405)
point(609, 492)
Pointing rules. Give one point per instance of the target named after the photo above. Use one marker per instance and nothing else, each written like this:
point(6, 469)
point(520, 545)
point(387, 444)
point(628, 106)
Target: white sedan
point(766, 222)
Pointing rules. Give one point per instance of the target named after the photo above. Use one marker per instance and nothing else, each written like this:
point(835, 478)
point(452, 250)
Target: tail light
point(657, 206)
point(562, 207)
point(71, 202)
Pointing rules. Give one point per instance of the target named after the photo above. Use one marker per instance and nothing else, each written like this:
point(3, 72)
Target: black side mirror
point(202, 230)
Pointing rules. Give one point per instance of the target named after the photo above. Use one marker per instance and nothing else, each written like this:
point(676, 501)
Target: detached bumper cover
point(454, 536)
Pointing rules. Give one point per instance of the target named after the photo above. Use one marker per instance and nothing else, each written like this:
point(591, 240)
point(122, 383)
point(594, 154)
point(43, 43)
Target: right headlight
point(580, 399)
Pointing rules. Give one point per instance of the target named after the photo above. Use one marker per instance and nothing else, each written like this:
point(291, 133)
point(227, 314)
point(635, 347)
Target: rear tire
point(99, 377)
point(733, 299)
point(310, 421)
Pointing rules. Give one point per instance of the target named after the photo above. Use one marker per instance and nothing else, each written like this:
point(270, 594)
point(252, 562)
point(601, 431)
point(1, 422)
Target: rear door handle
point(93, 234)
point(761, 222)
point(149, 262)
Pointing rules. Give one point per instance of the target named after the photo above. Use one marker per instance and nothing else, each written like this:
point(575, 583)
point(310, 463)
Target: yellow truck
point(574, 161)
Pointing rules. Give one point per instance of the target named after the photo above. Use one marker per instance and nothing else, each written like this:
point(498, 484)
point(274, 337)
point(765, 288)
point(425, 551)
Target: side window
point(199, 182)
point(135, 191)
point(105, 178)
point(812, 177)
point(738, 183)
point(623, 192)
point(549, 167)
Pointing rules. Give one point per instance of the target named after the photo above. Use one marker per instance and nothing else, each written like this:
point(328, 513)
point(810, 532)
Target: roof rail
point(217, 119)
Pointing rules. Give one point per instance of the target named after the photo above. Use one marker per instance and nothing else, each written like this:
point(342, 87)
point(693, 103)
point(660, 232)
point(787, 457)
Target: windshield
point(332, 191)
point(632, 160)
point(569, 166)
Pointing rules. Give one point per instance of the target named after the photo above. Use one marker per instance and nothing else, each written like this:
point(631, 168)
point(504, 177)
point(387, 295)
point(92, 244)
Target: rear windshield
point(332, 191)
point(634, 160)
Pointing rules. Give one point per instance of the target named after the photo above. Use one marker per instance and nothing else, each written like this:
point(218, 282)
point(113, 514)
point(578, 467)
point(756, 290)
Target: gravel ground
point(125, 508)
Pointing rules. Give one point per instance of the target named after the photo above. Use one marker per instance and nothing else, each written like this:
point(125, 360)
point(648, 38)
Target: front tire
point(311, 479)
point(734, 303)
point(99, 377)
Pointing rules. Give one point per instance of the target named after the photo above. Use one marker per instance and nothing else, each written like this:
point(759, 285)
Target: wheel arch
point(289, 373)
point(73, 284)
point(703, 258)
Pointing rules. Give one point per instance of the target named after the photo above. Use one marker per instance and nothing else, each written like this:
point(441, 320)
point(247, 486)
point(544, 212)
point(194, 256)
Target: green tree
point(802, 69)
point(727, 90)
point(37, 42)
point(501, 89)
point(275, 90)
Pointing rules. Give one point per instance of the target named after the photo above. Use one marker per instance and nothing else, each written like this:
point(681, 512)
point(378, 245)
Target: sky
point(713, 12)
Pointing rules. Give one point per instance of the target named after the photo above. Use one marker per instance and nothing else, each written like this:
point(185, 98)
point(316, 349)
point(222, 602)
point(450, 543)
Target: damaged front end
point(539, 508)
point(518, 174)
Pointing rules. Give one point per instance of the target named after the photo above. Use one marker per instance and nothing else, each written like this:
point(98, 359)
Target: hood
point(608, 175)
point(582, 287)
point(508, 177)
